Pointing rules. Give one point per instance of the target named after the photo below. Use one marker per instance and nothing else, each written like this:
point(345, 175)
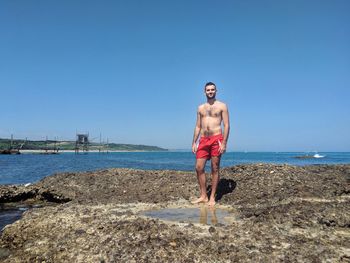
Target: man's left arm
point(226, 122)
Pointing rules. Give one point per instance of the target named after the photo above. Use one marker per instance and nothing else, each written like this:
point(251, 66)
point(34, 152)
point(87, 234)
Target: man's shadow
point(225, 186)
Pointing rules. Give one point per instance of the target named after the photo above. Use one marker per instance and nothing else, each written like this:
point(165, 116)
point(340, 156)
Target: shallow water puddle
point(9, 216)
point(203, 215)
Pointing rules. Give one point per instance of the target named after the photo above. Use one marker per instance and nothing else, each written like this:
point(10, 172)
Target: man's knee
point(199, 168)
point(215, 169)
point(215, 166)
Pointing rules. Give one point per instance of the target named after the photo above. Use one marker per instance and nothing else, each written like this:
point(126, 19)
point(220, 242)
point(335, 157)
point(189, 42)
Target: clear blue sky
point(135, 70)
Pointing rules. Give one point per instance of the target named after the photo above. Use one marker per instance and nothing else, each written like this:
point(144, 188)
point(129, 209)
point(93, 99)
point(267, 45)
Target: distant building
point(82, 143)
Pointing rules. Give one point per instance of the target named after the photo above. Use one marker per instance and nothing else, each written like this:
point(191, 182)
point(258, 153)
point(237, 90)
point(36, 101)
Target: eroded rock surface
point(285, 214)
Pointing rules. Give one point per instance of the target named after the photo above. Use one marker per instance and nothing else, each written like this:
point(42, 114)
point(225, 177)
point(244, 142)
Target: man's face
point(210, 91)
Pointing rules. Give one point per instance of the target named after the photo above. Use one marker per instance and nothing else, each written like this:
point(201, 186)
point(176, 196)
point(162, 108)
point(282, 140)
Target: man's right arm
point(197, 130)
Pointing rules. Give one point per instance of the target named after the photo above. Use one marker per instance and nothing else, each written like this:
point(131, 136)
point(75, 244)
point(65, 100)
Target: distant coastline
point(90, 151)
point(43, 146)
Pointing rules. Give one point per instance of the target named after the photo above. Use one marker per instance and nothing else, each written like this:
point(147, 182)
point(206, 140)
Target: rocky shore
point(282, 214)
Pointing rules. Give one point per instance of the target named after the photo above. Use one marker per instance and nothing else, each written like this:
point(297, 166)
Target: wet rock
point(211, 230)
point(14, 193)
point(293, 214)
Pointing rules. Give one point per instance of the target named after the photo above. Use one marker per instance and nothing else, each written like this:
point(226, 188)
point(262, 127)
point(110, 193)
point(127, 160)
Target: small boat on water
point(315, 156)
point(10, 151)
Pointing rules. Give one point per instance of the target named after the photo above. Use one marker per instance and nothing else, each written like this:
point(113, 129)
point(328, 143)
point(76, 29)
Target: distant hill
point(70, 145)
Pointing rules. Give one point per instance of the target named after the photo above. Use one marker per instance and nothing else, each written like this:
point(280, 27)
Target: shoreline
point(189, 150)
point(281, 213)
point(73, 151)
point(182, 150)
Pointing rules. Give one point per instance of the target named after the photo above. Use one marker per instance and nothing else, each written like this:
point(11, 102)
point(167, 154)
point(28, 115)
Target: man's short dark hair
point(210, 84)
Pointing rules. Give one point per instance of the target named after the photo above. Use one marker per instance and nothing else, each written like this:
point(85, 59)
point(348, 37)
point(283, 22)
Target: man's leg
point(200, 170)
point(215, 167)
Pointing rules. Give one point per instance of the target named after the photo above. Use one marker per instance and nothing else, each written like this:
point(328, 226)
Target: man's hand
point(222, 147)
point(194, 148)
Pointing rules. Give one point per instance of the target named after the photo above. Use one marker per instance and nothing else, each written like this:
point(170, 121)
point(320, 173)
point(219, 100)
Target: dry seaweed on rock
point(285, 214)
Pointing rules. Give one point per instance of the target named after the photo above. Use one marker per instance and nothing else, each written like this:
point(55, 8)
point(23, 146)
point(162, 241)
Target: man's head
point(210, 90)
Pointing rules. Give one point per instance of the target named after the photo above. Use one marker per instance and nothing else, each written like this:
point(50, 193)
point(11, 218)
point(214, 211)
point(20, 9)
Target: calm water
point(29, 168)
point(202, 215)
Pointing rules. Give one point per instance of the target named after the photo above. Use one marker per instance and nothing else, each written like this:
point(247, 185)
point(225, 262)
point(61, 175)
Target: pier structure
point(49, 149)
point(82, 143)
point(103, 146)
point(12, 148)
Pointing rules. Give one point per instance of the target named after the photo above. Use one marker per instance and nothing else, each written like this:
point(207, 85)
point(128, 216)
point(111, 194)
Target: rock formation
point(284, 214)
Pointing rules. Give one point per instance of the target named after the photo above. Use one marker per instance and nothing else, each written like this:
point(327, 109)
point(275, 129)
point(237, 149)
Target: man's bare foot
point(200, 200)
point(211, 203)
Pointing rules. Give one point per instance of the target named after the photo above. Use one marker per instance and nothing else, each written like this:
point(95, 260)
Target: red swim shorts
point(209, 146)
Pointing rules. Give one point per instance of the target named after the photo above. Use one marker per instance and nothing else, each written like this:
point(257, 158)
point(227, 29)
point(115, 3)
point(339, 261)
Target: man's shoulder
point(201, 106)
point(221, 104)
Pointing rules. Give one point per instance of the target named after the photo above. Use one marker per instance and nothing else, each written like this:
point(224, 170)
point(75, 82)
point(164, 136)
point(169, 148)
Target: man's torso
point(211, 118)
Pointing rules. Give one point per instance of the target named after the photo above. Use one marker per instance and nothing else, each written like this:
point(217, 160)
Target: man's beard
point(210, 98)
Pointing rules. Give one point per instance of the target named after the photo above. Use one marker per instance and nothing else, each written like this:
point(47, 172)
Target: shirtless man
point(212, 143)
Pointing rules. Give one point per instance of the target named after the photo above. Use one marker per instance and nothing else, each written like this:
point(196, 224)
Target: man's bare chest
point(211, 112)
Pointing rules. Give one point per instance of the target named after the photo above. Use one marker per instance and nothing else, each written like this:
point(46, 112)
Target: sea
point(30, 168)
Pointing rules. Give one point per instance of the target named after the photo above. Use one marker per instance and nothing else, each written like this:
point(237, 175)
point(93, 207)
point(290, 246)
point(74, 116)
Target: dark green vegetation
point(70, 145)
